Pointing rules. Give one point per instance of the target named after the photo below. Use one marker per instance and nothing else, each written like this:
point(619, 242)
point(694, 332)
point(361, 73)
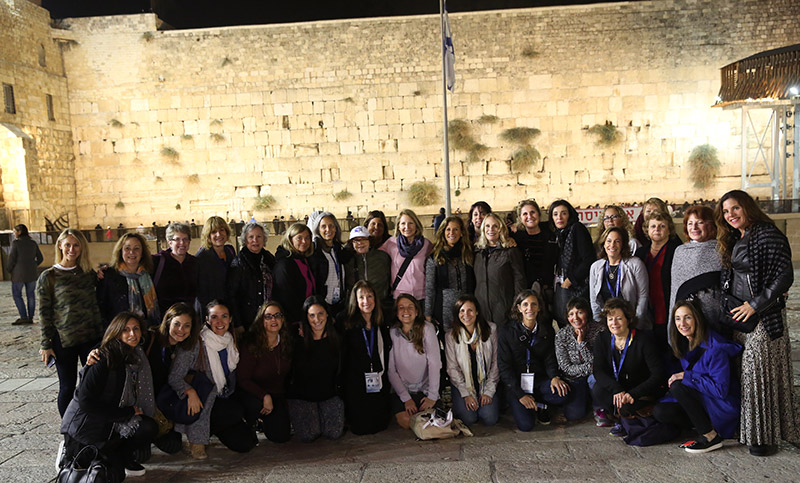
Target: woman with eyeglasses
point(615, 216)
point(175, 270)
point(262, 374)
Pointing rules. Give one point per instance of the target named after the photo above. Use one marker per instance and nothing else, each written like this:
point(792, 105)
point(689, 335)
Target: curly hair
point(618, 303)
point(726, 234)
point(623, 234)
point(503, 235)
point(440, 242)
point(257, 342)
point(213, 224)
point(116, 255)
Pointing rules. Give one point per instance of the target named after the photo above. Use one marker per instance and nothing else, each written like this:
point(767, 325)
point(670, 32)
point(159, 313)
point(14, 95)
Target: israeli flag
point(449, 53)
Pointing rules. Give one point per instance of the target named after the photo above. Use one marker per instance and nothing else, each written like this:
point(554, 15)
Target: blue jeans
point(488, 415)
point(30, 293)
point(526, 418)
point(578, 399)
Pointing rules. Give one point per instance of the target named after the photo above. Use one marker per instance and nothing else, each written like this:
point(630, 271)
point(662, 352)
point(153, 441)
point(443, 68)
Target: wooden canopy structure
point(772, 74)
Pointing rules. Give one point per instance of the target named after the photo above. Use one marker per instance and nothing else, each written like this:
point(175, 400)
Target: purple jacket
point(711, 376)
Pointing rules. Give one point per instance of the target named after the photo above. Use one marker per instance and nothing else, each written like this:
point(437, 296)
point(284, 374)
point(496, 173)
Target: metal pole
point(445, 147)
point(744, 149)
point(776, 154)
point(796, 153)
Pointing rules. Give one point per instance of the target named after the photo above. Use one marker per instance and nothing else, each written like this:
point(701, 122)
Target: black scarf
point(566, 244)
point(451, 257)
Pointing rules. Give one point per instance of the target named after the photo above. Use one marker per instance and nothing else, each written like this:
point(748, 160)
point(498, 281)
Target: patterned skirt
point(768, 413)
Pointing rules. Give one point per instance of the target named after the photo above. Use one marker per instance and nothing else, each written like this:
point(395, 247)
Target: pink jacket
point(413, 280)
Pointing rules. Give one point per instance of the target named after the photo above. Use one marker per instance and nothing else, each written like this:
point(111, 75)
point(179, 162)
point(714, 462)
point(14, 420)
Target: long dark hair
point(329, 332)
point(680, 345)
point(440, 245)
point(116, 352)
point(726, 235)
point(417, 333)
point(480, 322)
point(257, 343)
point(354, 319)
point(472, 229)
point(573, 214)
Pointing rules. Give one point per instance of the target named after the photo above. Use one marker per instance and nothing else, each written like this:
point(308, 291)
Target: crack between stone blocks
point(362, 471)
point(493, 470)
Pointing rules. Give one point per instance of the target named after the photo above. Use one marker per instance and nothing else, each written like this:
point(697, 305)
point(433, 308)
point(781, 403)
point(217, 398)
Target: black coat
point(512, 352)
point(366, 413)
point(212, 274)
point(319, 267)
point(666, 268)
point(245, 287)
point(112, 295)
point(91, 414)
point(289, 287)
point(641, 373)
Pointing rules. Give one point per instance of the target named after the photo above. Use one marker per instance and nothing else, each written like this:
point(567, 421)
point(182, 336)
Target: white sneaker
point(59, 456)
point(133, 469)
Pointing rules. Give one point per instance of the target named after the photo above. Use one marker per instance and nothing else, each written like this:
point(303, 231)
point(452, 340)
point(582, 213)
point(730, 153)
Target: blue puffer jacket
point(712, 377)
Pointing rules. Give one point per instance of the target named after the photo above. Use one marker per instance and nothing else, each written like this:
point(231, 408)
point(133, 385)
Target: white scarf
point(215, 343)
point(462, 356)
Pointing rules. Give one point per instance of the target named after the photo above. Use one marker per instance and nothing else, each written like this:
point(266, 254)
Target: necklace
point(612, 272)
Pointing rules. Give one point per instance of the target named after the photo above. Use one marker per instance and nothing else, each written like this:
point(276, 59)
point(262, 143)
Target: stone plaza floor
point(29, 436)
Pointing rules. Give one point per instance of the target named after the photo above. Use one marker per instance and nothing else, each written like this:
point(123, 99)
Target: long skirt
point(768, 412)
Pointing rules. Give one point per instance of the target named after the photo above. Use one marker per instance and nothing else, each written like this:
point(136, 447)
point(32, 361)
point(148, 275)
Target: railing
point(771, 74)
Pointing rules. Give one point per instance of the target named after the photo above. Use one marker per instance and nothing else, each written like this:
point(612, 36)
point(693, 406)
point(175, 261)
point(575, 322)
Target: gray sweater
point(693, 259)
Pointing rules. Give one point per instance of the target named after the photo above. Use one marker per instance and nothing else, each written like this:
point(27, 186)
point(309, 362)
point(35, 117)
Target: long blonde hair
point(212, 224)
point(503, 238)
point(83, 259)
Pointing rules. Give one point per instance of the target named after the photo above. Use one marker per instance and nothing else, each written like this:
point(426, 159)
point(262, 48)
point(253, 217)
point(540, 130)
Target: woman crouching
point(114, 404)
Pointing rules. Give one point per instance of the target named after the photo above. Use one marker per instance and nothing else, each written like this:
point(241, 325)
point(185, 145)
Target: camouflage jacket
point(67, 303)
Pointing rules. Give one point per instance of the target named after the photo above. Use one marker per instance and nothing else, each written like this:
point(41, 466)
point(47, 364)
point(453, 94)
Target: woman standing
point(414, 361)
point(213, 260)
point(627, 365)
point(23, 259)
point(126, 283)
point(250, 279)
point(472, 364)
point(328, 259)
point(536, 242)
point(68, 311)
point(758, 270)
point(263, 370)
point(294, 280)
point(448, 272)
point(114, 405)
point(368, 264)
point(527, 362)
point(175, 276)
point(705, 394)
point(649, 206)
point(614, 215)
point(657, 254)
point(696, 267)
point(366, 344)
point(576, 255)
point(408, 250)
point(315, 407)
point(618, 274)
point(574, 345)
point(498, 270)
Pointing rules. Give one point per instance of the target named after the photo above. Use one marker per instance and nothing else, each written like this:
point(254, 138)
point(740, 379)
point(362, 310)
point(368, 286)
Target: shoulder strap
point(161, 262)
point(401, 272)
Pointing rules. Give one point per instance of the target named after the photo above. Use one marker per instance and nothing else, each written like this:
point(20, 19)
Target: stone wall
point(36, 153)
point(184, 124)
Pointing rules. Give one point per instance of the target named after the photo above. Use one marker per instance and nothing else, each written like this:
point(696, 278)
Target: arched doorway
point(17, 152)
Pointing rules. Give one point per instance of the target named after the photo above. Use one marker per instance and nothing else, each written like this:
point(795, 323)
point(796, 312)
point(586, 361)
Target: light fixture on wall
point(795, 92)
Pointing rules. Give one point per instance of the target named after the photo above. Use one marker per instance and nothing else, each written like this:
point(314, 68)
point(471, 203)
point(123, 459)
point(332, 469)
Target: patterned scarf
point(141, 290)
point(566, 242)
point(770, 255)
point(138, 391)
point(464, 363)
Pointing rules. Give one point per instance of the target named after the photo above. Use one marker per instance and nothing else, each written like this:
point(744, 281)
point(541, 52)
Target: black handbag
point(89, 466)
point(729, 302)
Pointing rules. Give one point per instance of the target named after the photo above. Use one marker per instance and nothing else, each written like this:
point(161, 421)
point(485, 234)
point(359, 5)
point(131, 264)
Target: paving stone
point(585, 470)
point(461, 471)
point(39, 384)
point(517, 451)
point(11, 384)
point(334, 473)
point(667, 470)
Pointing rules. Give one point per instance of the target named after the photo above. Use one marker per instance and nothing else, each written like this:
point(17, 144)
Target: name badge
point(526, 382)
point(373, 382)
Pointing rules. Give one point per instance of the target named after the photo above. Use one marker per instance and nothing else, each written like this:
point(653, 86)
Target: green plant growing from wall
point(342, 195)
point(458, 192)
point(116, 123)
point(530, 52)
point(607, 134)
point(488, 119)
point(159, 179)
point(171, 153)
point(226, 61)
point(193, 179)
point(119, 205)
point(187, 137)
point(460, 134)
point(217, 137)
point(148, 36)
point(215, 122)
point(525, 158)
point(423, 193)
point(520, 135)
point(475, 152)
point(262, 203)
point(178, 206)
point(704, 163)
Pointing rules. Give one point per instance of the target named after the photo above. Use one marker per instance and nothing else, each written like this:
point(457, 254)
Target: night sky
point(213, 13)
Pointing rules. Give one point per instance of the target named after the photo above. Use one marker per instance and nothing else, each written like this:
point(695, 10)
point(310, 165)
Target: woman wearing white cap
point(368, 264)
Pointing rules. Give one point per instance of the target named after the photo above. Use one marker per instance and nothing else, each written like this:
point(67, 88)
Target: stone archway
point(17, 152)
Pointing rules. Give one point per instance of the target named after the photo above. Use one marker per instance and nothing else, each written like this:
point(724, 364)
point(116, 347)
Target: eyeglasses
point(179, 240)
point(611, 217)
point(277, 316)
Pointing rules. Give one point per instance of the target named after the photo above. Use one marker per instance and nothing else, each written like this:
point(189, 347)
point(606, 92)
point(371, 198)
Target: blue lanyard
point(370, 343)
point(622, 357)
point(529, 349)
point(619, 276)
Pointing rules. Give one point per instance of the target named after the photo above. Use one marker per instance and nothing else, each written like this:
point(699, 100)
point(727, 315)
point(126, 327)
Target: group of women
point(326, 334)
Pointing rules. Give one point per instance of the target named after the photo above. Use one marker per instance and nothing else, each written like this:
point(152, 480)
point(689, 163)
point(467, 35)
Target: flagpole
point(445, 148)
